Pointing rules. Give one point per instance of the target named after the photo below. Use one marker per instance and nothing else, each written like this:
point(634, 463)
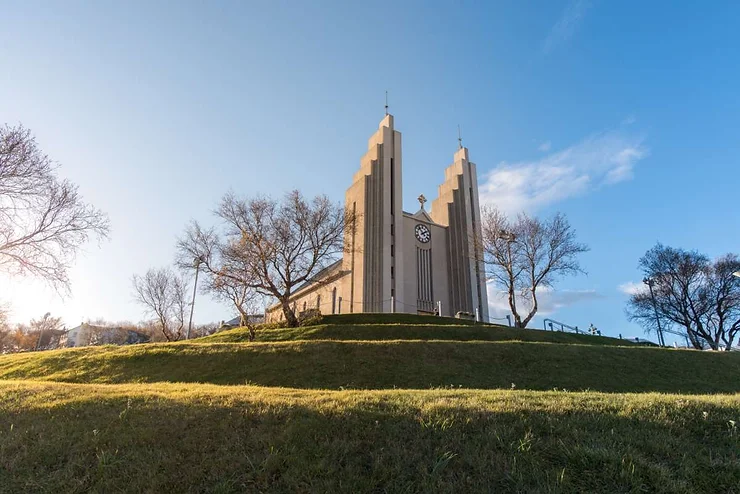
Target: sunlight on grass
point(65, 436)
point(359, 405)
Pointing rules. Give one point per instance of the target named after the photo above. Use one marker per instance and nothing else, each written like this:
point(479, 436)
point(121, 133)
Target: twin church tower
point(395, 261)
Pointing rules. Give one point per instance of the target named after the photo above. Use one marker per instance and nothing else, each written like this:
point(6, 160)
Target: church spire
point(459, 137)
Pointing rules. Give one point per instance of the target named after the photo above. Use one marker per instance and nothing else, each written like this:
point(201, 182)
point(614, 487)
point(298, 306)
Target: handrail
point(561, 324)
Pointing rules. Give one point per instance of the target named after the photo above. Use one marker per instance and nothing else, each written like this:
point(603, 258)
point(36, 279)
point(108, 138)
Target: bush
point(310, 317)
point(271, 325)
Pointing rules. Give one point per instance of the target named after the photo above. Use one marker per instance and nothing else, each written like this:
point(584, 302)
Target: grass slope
point(139, 418)
point(202, 438)
point(383, 332)
point(390, 364)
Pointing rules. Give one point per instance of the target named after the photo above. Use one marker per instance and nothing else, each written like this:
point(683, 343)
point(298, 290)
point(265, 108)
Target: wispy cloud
point(630, 288)
point(566, 25)
point(549, 301)
point(598, 160)
point(545, 146)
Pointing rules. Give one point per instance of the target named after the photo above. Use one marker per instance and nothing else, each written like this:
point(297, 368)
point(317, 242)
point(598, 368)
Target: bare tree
point(270, 246)
point(47, 331)
point(43, 220)
point(242, 297)
point(235, 287)
point(162, 293)
point(526, 254)
point(6, 333)
point(699, 297)
point(20, 339)
point(724, 294)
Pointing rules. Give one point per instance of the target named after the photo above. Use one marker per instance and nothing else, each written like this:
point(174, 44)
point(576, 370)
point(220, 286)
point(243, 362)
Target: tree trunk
point(692, 336)
point(163, 327)
point(729, 342)
point(244, 322)
point(512, 306)
point(243, 317)
point(531, 314)
point(290, 317)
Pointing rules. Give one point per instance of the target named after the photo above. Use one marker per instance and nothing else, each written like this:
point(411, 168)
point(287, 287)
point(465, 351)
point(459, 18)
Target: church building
point(396, 261)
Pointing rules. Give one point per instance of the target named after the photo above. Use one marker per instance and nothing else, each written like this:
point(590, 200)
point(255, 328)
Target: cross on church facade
point(421, 200)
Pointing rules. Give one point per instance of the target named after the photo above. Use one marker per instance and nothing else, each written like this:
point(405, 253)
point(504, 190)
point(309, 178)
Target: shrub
point(310, 317)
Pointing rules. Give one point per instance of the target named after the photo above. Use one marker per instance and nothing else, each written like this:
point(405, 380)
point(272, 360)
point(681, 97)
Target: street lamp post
point(510, 238)
point(196, 262)
point(649, 282)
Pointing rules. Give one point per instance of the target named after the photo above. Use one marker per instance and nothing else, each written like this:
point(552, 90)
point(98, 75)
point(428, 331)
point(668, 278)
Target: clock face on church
point(422, 233)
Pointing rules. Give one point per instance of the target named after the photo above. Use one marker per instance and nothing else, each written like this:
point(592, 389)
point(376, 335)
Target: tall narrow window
point(393, 186)
point(318, 301)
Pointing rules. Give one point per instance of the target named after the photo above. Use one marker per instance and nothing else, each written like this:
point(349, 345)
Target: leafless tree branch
point(43, 220)
point(525, 254)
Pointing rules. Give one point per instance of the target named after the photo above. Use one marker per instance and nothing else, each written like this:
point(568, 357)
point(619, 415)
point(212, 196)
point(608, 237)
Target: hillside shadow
point(448, 443)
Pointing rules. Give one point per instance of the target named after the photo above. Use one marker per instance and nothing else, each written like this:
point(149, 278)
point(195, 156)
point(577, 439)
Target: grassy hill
point(388, 365)
point(314, 409)
point(382, 332)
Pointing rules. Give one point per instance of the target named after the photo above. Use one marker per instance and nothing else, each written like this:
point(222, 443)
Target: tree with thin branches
point(43, 219)
point(269, 246)
point(201, 247)
point(162, 293)
point(527, 254)
point(698, 297)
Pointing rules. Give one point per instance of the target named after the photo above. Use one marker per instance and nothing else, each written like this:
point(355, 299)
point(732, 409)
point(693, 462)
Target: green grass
point(203, 438)
point(381, 332)
point(390, 364)
point(316, 409)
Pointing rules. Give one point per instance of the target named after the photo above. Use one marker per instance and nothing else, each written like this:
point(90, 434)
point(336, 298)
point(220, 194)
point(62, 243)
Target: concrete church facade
point(395, 261)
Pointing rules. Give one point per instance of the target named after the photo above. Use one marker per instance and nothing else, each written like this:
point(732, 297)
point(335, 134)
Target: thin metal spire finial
point(386, 102)
point(459, 136)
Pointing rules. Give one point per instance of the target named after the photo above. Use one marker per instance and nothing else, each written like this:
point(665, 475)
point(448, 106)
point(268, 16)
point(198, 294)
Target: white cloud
point(566, 26)
point(630, 288)
point(549, 301)
point(545, 146)
point(600, 159)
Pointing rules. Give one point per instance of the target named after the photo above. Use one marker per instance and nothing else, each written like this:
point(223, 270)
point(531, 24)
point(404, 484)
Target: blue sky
point(623, 115)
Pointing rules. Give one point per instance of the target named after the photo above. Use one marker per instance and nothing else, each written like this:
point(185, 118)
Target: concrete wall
point(375, 253)
point(457, 208)
point(438, 247)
